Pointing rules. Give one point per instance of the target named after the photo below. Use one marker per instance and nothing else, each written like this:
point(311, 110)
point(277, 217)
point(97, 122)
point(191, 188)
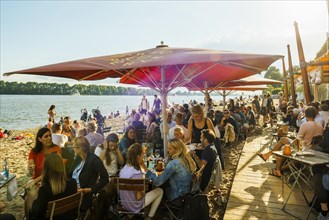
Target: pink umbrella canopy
point(162, 68)
point(247, 82)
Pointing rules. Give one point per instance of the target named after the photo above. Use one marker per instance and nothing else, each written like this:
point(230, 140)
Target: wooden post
point(303, 65)
point(292, 81)
point(285, 81)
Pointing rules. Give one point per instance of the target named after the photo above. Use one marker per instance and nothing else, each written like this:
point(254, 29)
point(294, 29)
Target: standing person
point(54, 185)
point(156, 104)
point(135, 169)
point(88, 170)
point(110, 154)
point(52, 113)
point(196, 124)
point(281, 99)
point(178, 171)
point(208, 157)
point(265, 110)
point(144, 105)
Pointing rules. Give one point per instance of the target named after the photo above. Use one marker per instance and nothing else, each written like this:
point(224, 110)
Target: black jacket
point(45, 195)
point(93, 175)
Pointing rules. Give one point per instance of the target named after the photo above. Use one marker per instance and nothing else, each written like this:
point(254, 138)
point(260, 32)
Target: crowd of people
point(73, 156)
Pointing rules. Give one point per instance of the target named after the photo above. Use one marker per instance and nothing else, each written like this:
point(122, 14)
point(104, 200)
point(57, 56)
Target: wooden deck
point(257, 195)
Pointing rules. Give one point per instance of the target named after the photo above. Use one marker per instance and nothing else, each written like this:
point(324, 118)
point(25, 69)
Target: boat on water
point(76, 93)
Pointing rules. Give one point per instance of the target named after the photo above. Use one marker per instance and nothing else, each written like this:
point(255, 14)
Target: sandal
point(275, 172)
point(261, 156)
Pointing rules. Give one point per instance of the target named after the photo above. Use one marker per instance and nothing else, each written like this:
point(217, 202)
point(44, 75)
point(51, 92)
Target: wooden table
point(311, 158)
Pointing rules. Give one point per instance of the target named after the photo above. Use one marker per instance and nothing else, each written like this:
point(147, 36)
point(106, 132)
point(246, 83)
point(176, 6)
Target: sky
point(37, 33)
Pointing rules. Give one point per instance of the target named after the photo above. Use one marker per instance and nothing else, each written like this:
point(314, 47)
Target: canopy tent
point(226, 91)
point(245, 84)
point(162, 68)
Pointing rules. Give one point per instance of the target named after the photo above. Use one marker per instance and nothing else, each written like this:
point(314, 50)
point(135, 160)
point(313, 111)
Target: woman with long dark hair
point(43, 146)
point(128, 139)
point(110, 154)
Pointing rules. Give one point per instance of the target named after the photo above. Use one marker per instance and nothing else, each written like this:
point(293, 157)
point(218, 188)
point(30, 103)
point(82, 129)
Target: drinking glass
point(157, 153)
point(302, 147)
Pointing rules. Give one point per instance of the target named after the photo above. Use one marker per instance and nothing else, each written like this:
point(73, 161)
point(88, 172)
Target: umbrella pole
point(224, 99)
point(285, 87)
point(164, 94)
point(292, 81)
point(303, 64)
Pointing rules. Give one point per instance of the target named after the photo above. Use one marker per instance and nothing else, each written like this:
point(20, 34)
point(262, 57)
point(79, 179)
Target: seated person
point(56, 135)
point(321, 184)
point(324, 144)
point(152, 125)
point(139, 126)
point(179, 120)
point(54, 185)
point(110, 154)
point(307, 131)
point(93, 137)
point(127, 140)
point(67, 129)
point(208, 157)
point(178, 133)
point(290, 117)
point(178, 171)
point(135, 169)
point(88, 170)
point(43, 146)
point(5, 216)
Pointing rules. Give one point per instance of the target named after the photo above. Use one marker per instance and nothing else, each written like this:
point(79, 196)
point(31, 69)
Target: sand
point(17, 153)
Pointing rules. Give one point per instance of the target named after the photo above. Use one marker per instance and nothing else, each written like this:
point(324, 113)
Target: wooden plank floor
point(257, 195)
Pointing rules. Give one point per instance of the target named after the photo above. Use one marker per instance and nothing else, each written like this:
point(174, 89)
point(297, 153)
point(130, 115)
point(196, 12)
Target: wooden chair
point(63, 205)
point(130, 185)
point(316, 140)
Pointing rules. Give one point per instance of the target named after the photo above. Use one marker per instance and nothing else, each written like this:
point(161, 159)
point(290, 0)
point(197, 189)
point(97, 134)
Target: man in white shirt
point(93, 137)
point(170, 124)
point(57, 137)
point(179, 120)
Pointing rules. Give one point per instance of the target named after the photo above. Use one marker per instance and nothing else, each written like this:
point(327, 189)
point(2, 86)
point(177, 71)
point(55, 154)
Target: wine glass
point(157, 153)
point(302, 148)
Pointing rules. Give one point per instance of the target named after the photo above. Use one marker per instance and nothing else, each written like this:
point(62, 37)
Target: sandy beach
point(17, 153)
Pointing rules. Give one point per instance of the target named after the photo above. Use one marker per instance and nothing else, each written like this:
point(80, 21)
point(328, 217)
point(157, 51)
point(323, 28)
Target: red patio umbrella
point(162, 68)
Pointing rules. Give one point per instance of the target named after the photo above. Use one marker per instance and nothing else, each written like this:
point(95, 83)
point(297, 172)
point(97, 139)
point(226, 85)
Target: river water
point(30, 111)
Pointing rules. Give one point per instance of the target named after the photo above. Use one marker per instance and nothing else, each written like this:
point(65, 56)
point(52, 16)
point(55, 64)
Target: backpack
point(196, 207)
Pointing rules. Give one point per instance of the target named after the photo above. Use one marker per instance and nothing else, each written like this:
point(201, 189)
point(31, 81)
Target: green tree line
point(34, 88)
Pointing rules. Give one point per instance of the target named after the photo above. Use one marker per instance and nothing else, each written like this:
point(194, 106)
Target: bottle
point(6, 169)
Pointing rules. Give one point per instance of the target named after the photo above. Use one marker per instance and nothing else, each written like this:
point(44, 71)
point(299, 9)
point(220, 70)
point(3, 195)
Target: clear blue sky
point(36, 33)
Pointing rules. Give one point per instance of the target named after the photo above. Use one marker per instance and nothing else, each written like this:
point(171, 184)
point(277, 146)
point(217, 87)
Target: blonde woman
point(178, 171)
point(54, 186)
point(196, 124)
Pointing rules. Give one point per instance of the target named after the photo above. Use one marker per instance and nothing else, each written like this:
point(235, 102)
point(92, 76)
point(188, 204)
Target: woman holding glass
point(178, 171)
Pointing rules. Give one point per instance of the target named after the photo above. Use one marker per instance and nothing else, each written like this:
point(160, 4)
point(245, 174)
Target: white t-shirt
point(111, 169)
point(59, 139)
